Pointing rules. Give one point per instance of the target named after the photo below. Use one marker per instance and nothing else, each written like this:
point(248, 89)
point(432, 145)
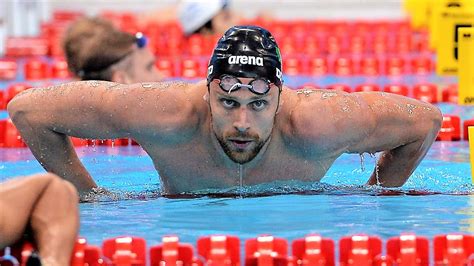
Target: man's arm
point(402, 128)
point(46, 117)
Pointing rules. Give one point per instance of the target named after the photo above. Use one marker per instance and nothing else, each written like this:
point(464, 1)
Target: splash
point(362, 162)
point(241, 175)
point(376, 161)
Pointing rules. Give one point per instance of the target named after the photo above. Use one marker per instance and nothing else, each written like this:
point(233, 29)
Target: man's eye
point(228, 103)
point(259, 105)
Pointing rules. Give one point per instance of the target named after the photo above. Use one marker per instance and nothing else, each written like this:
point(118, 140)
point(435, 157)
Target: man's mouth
point(241, 143)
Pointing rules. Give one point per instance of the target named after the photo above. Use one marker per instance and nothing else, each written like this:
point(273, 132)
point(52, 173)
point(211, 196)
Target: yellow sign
point(434, 16)
point(450, 20)
point(418, 10)
point(466, 66)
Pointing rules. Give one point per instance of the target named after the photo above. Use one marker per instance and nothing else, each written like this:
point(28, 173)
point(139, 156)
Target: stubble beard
point(237, 155)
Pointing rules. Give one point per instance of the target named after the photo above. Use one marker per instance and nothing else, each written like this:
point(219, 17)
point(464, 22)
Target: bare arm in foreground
point(402, 128)
point(48, 205)
point(46, 117)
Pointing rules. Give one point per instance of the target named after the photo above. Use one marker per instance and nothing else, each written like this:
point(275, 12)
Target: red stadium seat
point(426, 92)
point(312, 46)
point(190, 68)
point(292, 66)
point(84, 254)
point(450, 94)
point(169, 46)
point(26, 46)
point(318, 66)
point(343, 66)
point(8, 69)
point(3, 99)
point(396, 89)
point(367, 87)
point(454, 249)
point(165, 66)
point(313, 250)
point(35, 69)
point(334, 44)
point(196, 45)
point(125, 250)
point(59, 69)
point(266, 251)
point(466, 124)
point(395, 66)
point(219, 250)
point(171, 252)
point(357, 44)
point(403, 42)
point(379, 45)
point(359, 250)
point(9, 135)
point(66, 15)
point(409, 250)
point(450, 128)
point(369, 66)
point(422, 65)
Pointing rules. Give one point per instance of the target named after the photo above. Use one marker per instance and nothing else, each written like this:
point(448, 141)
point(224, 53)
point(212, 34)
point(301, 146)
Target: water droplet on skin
point(146, 85)
point(94, 83)
point(306, 92)
point(411, 108)
point(327, 95)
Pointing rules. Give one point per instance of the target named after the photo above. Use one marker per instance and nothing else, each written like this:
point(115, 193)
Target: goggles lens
point(258, 86)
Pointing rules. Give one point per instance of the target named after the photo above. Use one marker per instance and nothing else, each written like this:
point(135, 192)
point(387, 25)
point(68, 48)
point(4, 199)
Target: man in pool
point(239, 123)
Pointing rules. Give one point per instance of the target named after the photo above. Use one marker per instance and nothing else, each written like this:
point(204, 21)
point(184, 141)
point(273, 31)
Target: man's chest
point(185, 169)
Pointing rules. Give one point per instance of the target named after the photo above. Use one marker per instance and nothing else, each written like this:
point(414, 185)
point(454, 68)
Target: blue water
point(340, 206)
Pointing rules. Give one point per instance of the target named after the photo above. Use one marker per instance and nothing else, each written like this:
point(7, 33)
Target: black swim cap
point(246, 51)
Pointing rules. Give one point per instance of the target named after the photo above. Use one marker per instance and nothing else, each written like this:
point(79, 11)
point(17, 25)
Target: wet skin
point(198, 138)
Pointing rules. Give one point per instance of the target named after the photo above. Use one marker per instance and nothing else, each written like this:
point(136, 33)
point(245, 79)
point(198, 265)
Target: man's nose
point(242, 120)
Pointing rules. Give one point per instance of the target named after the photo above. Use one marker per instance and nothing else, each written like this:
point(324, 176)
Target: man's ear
point(120, 76)
point(206, 97)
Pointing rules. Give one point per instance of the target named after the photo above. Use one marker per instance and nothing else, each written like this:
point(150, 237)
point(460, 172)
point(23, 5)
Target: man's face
point(142, 67)
point(242, 121)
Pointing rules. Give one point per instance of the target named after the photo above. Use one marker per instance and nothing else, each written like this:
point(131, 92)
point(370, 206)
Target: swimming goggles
point(259, 86)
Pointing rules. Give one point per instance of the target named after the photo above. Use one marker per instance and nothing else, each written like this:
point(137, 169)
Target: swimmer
point(210, 17)
point(46, 206)
point(96, 50)
point(240, 120)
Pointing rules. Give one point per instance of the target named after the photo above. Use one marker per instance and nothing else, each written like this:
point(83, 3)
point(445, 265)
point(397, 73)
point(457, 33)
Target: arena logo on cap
point(278, 73)
point(245, 60)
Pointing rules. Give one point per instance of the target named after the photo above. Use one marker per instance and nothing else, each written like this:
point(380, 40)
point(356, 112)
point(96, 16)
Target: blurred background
point(24, 17)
